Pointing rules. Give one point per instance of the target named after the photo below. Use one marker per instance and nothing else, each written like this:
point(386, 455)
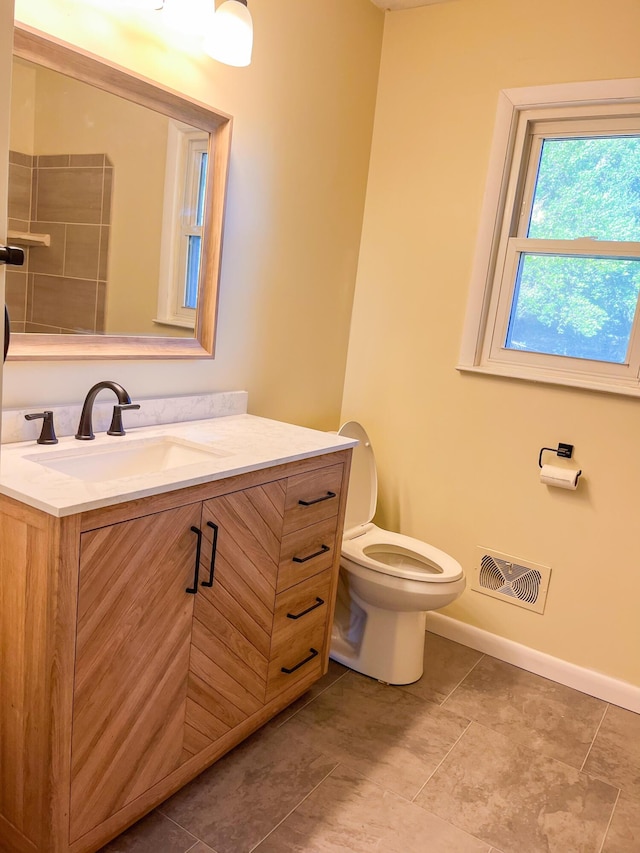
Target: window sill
point(181, 324)
point(627, 387)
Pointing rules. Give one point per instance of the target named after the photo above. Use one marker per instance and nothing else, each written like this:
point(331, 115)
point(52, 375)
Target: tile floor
point(476, 757)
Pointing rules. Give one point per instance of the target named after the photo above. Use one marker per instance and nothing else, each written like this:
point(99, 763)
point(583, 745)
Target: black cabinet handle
point(7, 333)
point(323, 550)
point(319, 603)
point(326, 497)
point(193, 589)
point(214, 548)
point(314, 654)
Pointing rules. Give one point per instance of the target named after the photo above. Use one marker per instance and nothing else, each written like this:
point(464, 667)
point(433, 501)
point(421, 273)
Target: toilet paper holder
point(565, 451)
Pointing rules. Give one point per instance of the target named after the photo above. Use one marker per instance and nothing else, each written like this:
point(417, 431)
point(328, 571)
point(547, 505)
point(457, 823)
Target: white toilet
point(388, 582)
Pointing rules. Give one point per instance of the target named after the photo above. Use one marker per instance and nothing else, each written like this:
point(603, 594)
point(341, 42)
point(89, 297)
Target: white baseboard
point(587, 680)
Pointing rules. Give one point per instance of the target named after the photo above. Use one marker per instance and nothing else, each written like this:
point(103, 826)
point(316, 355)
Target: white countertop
point(241, 443)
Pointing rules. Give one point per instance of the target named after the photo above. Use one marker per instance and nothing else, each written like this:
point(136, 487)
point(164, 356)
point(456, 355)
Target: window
point(557, 271)
point(183, 225)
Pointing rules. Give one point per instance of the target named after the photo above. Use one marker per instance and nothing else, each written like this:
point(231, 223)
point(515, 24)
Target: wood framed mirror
point(123, 254)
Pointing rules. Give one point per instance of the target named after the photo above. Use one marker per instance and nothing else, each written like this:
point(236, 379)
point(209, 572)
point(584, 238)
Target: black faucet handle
point(116, 427)
point(47, 433)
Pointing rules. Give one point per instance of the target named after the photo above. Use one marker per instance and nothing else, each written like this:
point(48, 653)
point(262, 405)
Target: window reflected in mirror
point(183, 225)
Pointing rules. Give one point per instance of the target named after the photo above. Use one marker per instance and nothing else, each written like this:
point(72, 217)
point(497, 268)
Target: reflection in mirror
point(116, 192)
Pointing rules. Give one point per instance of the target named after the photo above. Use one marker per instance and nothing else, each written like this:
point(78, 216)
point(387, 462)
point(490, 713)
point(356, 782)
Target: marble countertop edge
point(242, 443)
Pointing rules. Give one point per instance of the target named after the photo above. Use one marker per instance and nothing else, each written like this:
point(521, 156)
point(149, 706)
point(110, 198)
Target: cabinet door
point(132, 660)
point(233, 618)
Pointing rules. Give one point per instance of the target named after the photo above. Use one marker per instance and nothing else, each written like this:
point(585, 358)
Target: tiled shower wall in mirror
point(62, 288)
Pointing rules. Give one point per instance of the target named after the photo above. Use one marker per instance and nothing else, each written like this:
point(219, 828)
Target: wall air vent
point(511, 579)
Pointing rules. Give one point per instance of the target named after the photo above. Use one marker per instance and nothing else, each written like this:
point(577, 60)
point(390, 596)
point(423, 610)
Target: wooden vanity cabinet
point(118, 683)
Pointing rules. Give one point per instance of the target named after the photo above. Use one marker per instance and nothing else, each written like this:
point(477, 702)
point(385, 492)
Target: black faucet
point(85, 427)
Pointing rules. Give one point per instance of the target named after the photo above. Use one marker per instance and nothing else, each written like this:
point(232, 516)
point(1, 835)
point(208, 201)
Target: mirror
point(116, 192)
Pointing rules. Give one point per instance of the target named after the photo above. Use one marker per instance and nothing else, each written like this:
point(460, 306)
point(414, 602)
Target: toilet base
point(387, 645)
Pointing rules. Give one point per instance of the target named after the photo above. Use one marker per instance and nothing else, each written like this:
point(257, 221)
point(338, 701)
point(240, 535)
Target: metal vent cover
point(511, 579)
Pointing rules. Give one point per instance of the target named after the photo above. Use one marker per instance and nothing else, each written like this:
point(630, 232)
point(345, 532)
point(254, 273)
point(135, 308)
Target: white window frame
point(178, 222)
point(578, 107)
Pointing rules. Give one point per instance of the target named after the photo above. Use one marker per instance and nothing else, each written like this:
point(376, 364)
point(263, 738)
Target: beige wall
point(458, 454)
point(303, 114)
point(21, 126)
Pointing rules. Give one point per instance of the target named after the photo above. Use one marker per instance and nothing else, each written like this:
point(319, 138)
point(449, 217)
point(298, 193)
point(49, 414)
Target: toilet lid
point(363, 480)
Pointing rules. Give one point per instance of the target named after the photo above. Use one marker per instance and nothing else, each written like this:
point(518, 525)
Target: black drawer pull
point(314, 654)
point(323, 550)
point(326, 497)
point(193, 589)
point(319, 603)
point(214, 549)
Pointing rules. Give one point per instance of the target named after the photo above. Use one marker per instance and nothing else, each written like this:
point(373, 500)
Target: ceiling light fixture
point(230, 37)
point(226, 33)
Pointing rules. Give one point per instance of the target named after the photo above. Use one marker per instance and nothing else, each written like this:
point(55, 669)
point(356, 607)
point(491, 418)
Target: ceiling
point(394, 5)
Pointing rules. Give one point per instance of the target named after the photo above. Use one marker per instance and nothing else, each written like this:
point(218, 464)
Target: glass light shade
point(230, 37)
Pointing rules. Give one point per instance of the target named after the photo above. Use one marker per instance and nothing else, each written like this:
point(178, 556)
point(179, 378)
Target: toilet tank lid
point(363, 480)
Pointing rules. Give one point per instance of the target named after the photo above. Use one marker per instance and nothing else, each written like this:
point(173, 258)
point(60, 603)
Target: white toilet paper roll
point(562, 478)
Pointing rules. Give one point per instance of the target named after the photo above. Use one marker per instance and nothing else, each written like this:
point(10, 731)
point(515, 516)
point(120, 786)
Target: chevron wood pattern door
point(233, 619)
point(133, 639)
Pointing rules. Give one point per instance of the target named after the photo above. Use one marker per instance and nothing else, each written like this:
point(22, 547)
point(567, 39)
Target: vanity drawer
point(299, 631)
point(312, 497)
point(297, 658)
point(300, 608)
point(307, 552)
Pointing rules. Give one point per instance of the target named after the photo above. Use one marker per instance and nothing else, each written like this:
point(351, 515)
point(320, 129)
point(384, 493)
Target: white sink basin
point(144, 456)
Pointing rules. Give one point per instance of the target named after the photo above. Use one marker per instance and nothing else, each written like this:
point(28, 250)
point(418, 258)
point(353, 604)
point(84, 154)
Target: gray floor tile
point(238, 801)
point(336, 771)
point(615, 755)
point(335, 671)
point(545, 716)
point(381, 732)
point(624, 832)
point(517, 800)
point(445, 665)
point(150, 835)
point(348, 812)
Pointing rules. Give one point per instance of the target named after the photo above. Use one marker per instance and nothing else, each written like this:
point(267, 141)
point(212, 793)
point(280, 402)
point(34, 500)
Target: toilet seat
point(383, 550)
point(401, 556)
point(362, 496)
